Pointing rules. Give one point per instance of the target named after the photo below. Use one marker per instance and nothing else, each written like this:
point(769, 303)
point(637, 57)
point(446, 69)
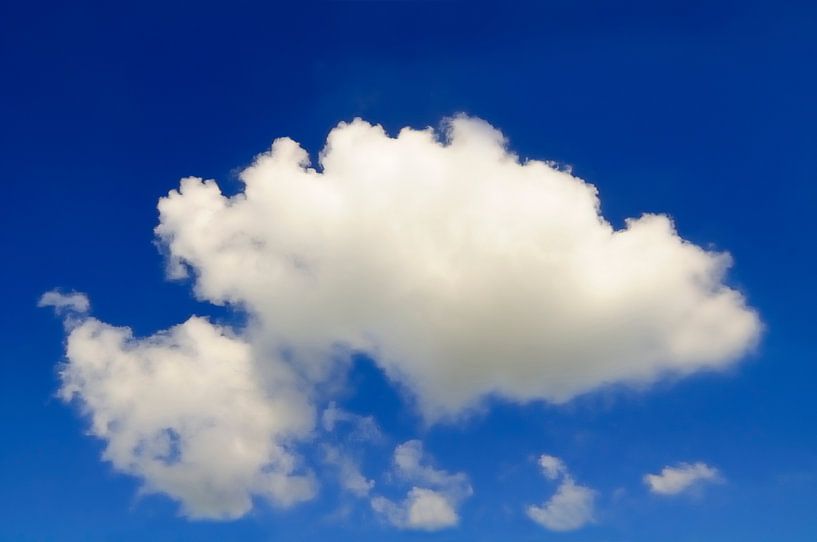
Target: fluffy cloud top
point(682, 477)
point(187, 412)
point(462, 270)
point(431, 504)
point(571, 507)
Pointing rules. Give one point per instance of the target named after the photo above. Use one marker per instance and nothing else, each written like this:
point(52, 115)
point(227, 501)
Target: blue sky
point(703, 111)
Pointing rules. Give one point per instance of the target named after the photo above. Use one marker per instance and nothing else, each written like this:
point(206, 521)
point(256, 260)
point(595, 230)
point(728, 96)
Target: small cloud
point(571, 507)
point(684, 476)
point(361, 428)
point(429, 508)
point(423, 509)
point(349, 475)
point(332, 415)
point(411, 464)
point(64, 303)
point(552, 467)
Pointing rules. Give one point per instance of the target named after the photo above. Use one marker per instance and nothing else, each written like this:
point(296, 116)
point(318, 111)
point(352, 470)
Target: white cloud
point(362, 428)
point(552, 467)
point(349, 475)
point(185, 411)
point(682, 477)
point(350, 432)
point(63, 303)
point(462, 271)
point(412, 464)
point(332, 415)
point(429, 508)
point(571, 507)
point(423, 509)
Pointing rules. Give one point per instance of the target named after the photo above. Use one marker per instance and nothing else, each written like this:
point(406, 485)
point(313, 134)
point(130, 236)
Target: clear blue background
point(703, 110)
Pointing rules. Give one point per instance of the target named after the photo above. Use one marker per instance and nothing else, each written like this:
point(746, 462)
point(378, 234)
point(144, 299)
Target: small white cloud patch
point(571, 507)
point(349, 475)
point(552, 467)
point(360, 428)
point(422, 509)
point(65, 302)
point(429, 505)
point(681, 478)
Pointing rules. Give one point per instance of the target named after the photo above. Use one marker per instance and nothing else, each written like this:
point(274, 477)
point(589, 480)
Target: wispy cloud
point(65, 302)
point(680, 478)
point(349, 474)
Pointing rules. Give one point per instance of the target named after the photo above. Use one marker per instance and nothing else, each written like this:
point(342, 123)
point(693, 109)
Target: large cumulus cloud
point(462, 270)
